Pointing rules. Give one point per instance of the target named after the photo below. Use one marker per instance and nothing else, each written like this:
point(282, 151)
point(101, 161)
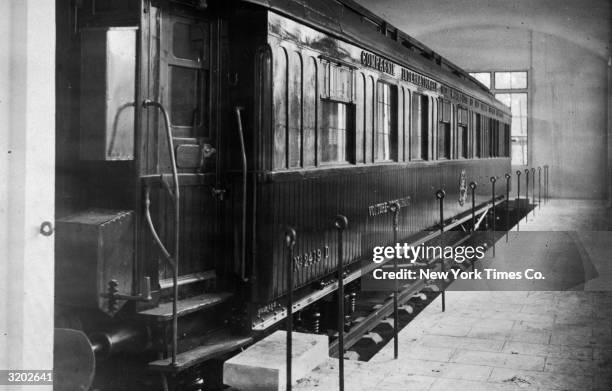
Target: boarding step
point(163, 312)
point(215, 347)
point(187, 279)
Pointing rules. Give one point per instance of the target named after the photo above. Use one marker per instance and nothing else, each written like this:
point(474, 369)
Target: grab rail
point(244, 193)
point(176, 197)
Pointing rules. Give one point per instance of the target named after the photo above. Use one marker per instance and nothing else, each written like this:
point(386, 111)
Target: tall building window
point(511, 88)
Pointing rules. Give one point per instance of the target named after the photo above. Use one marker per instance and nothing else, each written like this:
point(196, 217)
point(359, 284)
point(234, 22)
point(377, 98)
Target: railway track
point(372, 322)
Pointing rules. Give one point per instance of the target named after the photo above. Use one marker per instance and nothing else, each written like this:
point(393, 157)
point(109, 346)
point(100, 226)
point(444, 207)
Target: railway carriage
point(191, 133)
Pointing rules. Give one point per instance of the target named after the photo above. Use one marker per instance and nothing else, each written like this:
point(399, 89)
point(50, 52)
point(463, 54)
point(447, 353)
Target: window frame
point(170, 61)
point(445, 121)
point(393, 107)
point(463, 137)
point(328, 94)
point(421, 137)
point(526, 90)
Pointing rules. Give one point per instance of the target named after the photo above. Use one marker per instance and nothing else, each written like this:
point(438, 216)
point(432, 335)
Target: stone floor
point(504, 340)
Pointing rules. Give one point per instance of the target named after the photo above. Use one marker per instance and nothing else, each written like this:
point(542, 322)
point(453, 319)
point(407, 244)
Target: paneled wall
point(27, 136)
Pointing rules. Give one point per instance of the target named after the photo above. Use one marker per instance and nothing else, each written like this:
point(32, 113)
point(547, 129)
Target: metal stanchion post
point(527, 192)
point(473, 188)
point(533, 170)
point(340, 222)
point(493, 180)
point(508, 177)
point(440, 194)
point(290, 237)
point(539, 187)
point(547, 183)
point(395, 209)
point(518, 200)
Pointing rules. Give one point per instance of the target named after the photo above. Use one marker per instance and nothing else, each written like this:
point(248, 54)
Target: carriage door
point(185, 90)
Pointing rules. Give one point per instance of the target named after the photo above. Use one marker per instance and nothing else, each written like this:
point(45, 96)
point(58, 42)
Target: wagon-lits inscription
point(383, 207)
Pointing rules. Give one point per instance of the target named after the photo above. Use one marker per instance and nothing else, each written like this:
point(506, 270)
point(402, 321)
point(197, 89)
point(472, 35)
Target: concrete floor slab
point(505, 340)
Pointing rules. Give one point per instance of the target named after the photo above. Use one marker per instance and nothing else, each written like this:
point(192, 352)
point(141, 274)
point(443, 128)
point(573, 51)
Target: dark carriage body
point(293, 184)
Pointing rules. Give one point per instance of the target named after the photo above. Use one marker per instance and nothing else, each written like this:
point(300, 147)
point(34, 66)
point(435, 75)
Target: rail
point(173, 260)
point(238, 110)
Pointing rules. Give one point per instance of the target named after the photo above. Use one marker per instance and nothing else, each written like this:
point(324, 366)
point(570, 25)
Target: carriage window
point(386, 129)
point(444, 131)
point(185, 73)
point(506, 140)
point(493, 132)
point(188, 41)
point(477, 135)
point(185, 94)
point(337, 82)
point(420, 126)
point(462, 132)
point(335, 132)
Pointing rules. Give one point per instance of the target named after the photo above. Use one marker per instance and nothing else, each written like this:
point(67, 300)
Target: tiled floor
point(492, 341)
point(521, 340)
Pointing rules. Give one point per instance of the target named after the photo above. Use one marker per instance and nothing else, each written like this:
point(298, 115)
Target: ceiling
point(583, 22)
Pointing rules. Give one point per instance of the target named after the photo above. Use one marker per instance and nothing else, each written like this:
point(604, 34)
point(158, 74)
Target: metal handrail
point(176, 198)
point(244, 193)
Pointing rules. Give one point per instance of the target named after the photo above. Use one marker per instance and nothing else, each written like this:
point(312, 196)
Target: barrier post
point(340, 222)
point(518, 200)
point(440, 194)
point(395, 209)
point(508, 177)
point(539, 187)
point(290, 237)
point(547, 177)
point(527, 192)
point(533, 170)
point(493, 180)
point(473, 188)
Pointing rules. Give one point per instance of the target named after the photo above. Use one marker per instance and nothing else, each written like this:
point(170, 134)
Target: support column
point(27, 178)
point(609, 116)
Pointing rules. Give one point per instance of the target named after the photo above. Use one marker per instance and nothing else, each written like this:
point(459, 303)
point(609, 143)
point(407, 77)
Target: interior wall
point(27, 137)
point(565, 47)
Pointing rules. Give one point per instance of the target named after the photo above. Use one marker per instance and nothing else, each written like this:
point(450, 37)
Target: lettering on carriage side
point(380, 64)
point(271, 307)
point(310, 258)
point(419, 80)
point(383, 207)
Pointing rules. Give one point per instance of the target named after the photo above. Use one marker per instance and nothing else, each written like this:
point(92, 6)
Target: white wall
point(27, 155)
point(565, 44)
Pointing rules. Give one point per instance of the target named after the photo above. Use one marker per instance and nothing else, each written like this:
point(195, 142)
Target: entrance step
point(215, 347)
point(163, 312)
point(263, 366)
